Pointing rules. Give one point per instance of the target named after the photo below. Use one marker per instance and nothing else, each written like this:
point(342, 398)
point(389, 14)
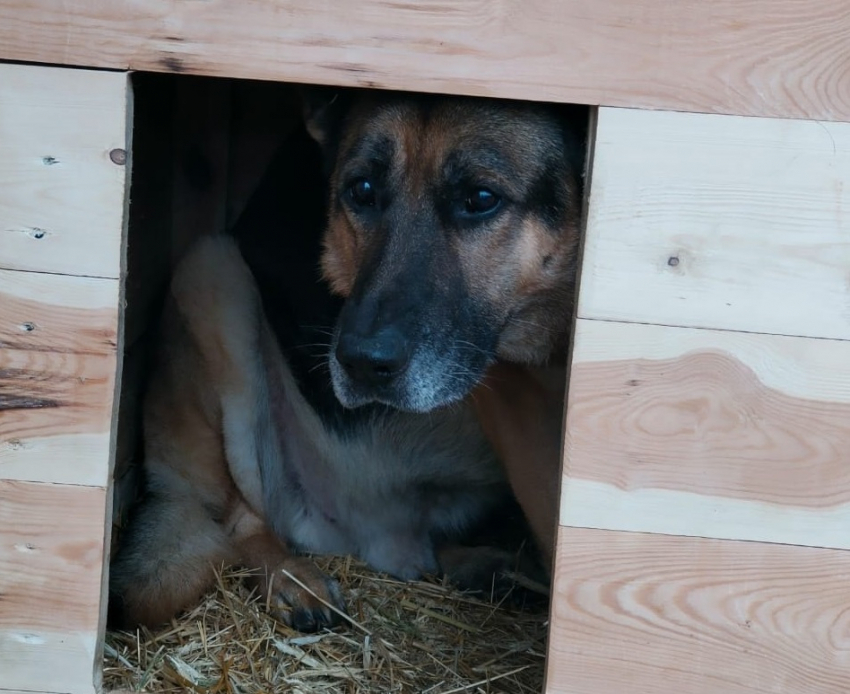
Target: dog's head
point(452, 233)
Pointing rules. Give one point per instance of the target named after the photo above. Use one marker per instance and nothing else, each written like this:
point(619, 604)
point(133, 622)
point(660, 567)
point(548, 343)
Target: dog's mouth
point(421, 380)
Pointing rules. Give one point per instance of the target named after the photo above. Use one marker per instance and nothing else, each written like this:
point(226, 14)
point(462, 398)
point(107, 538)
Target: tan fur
point(521, 411)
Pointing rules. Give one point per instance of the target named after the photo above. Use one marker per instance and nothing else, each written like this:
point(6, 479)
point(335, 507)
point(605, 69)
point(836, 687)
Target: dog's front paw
point(491, 571)
point(301, 596)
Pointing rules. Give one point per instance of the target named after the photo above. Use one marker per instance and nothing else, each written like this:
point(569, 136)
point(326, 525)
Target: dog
point(453, 236)
point(251, 459)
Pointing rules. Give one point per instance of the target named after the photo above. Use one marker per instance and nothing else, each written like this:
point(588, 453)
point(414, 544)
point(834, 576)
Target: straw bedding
point(422, 638)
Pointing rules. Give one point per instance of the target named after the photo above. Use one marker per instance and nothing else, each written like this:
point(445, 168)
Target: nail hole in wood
point(118, 156)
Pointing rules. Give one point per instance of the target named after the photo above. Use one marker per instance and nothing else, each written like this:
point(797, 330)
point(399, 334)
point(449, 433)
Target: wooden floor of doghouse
point(404, 637)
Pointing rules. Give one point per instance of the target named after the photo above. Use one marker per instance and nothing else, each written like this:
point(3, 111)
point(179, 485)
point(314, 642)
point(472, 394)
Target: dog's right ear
point(323, 109)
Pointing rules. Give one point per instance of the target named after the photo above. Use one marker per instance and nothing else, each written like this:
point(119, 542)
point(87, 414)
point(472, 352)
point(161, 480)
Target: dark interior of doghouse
point(201, 148)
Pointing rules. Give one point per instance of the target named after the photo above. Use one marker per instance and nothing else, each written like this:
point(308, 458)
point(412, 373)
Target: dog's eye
point(481, 201)
point(362, 193)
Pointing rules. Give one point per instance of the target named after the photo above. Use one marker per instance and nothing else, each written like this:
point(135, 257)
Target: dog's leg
point(292, 587)
point(166, 561)
point(491, 571)
point(522, 418)
point(268, 430)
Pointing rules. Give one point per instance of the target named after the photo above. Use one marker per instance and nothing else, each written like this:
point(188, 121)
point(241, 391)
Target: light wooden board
point(720, 222)
point(61, 196)
point(51, 551)
point(650, 614)
point(708, 433)
point(753, 57)
point(57, 376)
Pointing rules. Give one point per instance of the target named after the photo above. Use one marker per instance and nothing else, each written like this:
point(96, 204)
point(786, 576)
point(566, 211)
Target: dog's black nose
point(373, 360)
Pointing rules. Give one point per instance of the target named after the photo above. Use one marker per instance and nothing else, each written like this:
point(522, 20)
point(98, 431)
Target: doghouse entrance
point(201, 149)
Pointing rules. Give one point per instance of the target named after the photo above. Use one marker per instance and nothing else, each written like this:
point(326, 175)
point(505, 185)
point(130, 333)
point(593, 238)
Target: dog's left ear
point(323, 109)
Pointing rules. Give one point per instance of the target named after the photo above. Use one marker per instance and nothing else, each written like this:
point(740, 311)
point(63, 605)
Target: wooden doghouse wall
point(705, 515)
point(703, 538)
point(81, 283)
point(759, 57)
point(63, 153)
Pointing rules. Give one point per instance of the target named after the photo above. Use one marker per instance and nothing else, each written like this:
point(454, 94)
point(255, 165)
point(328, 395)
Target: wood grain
point(719, 222)
point(749, 57)
point(51, 551)
point(648, 614)
point(56, 313)
point(708, 433)
point(61, 196)
point(57, 375)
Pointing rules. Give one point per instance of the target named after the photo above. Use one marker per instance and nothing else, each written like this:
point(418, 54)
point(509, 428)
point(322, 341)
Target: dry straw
point(421, 638)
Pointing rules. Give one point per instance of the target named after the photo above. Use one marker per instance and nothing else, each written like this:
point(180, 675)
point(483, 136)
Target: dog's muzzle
point(373, 361)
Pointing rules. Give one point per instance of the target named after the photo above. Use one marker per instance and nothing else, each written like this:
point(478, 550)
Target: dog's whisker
point(465, 344)
point(322, 364)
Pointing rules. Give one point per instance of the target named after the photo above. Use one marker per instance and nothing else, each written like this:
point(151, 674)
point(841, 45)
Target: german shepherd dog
point(453, 235)
point(281, 418)
point(251, 459)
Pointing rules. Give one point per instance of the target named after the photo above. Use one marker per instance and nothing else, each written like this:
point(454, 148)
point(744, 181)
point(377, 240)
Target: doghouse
point(706, 490)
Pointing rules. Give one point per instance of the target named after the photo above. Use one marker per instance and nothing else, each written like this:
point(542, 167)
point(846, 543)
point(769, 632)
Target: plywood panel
point(57, 376)
point(730, 56)
point(708, 433)
point(721, 222)
point(649, 614)
point(61, 195)
point(51, 550)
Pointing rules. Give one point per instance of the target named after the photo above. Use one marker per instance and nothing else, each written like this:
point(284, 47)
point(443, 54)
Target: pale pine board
point(719, 222)
point(708, 433)
point(51, 553)
point(61, 196)
point(650, 614)
point(58, 338)
point(765, 57)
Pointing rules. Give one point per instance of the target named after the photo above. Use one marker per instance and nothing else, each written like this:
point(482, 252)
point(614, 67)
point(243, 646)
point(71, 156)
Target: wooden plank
point(750, 58)
point(51, 551)
point(57, 313)
point(112, 450)
point(649, 614)
point(57, 376)
point(708, 433)
point(61, 195)
point(720, 222)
